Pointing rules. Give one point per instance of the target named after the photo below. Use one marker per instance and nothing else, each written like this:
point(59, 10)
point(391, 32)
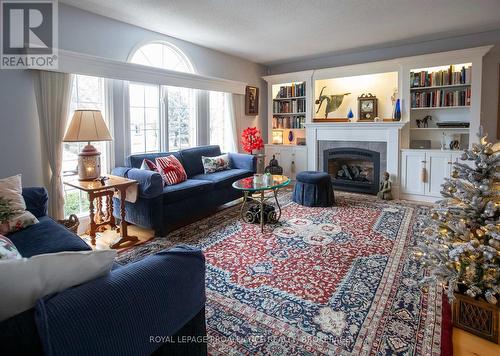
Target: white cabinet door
point(439, 168)
point(412, 163)
point(300, 160)
point(286, 159)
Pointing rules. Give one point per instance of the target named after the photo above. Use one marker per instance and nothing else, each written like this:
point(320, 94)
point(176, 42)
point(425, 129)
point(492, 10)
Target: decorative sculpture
point(333, 102)
point(385, 188)
point(274, 167)
point(424, 122)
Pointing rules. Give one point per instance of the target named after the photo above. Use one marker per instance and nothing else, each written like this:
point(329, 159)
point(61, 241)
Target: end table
point(96, 190)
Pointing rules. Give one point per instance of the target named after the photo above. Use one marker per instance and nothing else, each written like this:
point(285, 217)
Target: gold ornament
point(434, 216)
point(454, 174)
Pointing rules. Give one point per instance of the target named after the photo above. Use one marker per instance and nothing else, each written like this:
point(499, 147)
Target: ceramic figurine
point(385, 188)
point(424, 122)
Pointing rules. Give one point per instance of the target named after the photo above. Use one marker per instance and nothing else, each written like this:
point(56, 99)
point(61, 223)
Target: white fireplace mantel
point(389, 132)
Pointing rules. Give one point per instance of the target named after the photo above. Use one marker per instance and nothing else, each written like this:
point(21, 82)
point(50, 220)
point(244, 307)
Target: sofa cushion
point(46, 237)
point(186, 189)
point(215, 164)
point(135, 161)
point(171, 170)
point(191, 158)
point(224, 178)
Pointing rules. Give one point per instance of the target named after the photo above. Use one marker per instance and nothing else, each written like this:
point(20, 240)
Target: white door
point(412, 166)
point(285, 160)
point(439, 168)
point(300, 160)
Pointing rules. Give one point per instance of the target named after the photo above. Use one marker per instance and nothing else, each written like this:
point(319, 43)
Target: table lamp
point(88, 125)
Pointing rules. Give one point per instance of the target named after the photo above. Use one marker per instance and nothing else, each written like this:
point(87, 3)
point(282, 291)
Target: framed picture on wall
point(251, 101)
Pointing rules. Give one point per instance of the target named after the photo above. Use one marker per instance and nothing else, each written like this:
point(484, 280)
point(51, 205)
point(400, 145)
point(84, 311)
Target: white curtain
point(53, 97)
point(230, 124)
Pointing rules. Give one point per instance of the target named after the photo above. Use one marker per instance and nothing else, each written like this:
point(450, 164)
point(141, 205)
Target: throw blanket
point(120, 313)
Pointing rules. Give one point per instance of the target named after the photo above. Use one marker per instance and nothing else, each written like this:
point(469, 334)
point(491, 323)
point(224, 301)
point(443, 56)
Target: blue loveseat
point(164, 208)
point(131, 311)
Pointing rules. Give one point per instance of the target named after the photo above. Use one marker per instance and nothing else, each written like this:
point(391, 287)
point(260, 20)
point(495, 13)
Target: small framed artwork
point(251, 101)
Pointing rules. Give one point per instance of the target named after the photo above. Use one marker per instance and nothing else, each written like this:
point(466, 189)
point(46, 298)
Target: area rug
point(332, 281)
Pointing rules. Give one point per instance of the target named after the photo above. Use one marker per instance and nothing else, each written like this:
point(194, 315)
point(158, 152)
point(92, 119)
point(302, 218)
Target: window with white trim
point(161, 117)
point(87, 93)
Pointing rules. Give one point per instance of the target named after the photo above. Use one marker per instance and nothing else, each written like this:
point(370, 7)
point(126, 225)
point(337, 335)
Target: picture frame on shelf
point(251, 101)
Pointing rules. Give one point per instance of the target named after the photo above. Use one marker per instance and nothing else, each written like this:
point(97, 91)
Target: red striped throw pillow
point(171, 170)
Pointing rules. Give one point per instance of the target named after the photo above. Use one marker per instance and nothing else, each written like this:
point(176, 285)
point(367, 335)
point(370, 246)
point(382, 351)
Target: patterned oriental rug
point(333, 281)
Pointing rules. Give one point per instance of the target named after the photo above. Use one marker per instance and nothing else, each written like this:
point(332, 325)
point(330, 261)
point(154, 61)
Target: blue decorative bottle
point(350, 115)
point(290, 136)
point(397, 110)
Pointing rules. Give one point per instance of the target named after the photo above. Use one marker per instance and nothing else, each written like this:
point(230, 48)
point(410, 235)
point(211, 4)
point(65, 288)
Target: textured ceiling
point(274, 31)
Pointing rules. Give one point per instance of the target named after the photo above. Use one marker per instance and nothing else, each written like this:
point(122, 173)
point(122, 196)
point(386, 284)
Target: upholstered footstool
point(313, 189)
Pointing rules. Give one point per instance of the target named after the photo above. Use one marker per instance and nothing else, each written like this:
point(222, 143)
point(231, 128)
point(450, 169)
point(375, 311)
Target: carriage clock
point(367, 108)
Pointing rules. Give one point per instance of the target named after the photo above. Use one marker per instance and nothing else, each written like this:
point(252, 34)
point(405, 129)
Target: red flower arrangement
point(251, 139)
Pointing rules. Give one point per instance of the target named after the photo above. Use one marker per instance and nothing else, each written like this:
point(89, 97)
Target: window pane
point(136, 92)
point(151, 96)
point(162, 55)
point(216, 104)
point(180, 118)
point(137, 141)
point(136, 118)
point(89, 91)
point(152, 119)
point(152, 140)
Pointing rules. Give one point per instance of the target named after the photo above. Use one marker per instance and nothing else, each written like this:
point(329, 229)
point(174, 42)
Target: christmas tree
point(461, 245)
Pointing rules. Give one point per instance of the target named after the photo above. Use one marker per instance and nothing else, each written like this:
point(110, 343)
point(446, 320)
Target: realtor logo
point(29, 34)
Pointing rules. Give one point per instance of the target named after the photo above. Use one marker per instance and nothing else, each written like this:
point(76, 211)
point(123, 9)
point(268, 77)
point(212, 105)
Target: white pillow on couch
point(24, 281)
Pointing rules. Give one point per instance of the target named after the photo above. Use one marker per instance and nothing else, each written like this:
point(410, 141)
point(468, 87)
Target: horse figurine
point(333, 102)
point(423, 123)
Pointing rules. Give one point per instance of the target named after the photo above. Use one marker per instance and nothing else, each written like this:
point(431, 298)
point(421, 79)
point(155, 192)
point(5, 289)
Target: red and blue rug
point(330, 281)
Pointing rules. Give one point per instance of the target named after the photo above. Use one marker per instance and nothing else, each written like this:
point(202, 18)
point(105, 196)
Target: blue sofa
point(164, 208)
point(160, 295)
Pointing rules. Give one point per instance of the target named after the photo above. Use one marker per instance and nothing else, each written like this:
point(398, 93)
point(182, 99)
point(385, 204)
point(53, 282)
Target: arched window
point(161, 117)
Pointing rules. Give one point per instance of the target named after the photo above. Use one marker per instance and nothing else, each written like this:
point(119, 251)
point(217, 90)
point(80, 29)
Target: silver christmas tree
point(461, 245)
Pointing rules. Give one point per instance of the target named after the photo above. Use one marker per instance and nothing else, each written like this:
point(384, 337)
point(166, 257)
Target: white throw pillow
point(24, 281)
point(14, 215)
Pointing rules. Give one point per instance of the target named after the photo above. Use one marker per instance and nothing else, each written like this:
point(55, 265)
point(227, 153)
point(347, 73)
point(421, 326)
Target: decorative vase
point(350, 115)
point(290, 136)
point(477, 317)
point(397, 110)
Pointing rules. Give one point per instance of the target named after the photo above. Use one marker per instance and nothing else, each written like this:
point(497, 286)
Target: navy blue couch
point(160, 295)
point(164, 208)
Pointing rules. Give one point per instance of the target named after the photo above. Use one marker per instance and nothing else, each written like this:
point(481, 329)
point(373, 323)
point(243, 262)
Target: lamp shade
point(87, 125)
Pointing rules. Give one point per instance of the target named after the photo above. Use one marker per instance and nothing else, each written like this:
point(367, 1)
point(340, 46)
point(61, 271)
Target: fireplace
point(353, 169)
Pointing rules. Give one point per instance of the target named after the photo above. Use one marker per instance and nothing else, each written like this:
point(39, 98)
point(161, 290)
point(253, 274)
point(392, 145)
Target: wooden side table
point(98, 220)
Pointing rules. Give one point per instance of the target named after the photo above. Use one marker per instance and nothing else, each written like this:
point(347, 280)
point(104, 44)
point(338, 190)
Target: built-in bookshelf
point(440, 95)
point(289, 103)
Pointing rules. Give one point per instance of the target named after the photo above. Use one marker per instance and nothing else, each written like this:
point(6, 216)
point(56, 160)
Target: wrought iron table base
point(266, 212)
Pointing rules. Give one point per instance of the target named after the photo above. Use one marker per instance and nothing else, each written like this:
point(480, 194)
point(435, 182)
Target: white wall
point(84, 32)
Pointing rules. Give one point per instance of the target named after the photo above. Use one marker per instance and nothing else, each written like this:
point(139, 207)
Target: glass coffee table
point(254, 208)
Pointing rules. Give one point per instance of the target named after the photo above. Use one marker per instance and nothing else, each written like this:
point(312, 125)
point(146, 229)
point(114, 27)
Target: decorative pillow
point(24, 281)
point(13, 213)
point(171, 170)
point(7, 250)
point(215, 164)
point(148, 165)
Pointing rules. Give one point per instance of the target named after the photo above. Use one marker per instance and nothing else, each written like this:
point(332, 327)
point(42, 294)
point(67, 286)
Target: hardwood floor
point(466, 344)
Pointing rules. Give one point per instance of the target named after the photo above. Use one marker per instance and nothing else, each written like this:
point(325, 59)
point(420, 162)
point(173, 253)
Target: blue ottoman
point(313, 189)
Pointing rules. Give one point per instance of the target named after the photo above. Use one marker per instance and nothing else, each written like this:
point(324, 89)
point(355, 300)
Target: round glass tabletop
point(252, 185)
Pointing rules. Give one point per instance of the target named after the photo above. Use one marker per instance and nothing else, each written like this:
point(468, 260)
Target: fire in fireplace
point(353, 169)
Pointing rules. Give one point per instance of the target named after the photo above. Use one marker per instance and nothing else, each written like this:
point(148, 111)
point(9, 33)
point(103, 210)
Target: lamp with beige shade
point(87, 126)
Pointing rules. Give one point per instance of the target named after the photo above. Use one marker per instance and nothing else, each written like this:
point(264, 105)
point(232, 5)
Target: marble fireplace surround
point(369, 135)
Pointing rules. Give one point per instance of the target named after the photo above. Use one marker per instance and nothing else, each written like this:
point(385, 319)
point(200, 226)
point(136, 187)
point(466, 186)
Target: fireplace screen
point(353, 169)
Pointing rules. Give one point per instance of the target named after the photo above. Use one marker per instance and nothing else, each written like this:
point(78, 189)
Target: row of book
point(289, 122)
point(440, 98)
point(292, 106)
point(289, 91)
point(449, 76)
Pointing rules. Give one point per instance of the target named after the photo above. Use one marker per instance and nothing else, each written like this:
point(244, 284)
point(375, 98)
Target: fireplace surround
point(353, 169)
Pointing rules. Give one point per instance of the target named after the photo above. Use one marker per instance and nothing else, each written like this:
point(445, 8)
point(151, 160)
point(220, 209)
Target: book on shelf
point(292, 106)
point(289, 91)
point(450, 76)
point(289, 122)
point(441, 98)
